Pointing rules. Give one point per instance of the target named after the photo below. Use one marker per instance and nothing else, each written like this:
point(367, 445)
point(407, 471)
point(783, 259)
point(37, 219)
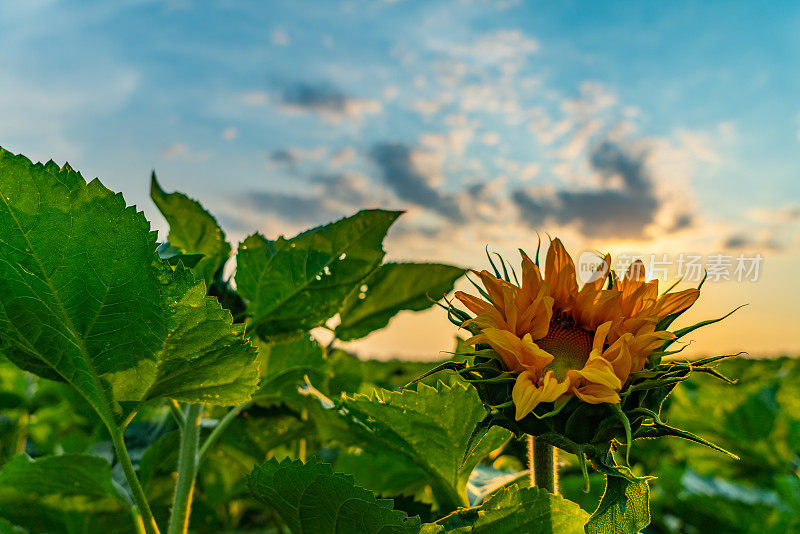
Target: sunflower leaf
point(192, 230)
point(310, 498)
point(85, 299)
point(623, 509)
point(284, 366)
point(513, 509)
point(394, 287)
point(47, 493)
point(299, 283)
point(431, 427)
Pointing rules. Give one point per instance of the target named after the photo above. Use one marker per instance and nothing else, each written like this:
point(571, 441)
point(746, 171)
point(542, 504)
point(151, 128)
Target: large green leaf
point(299, 283)
point(429, 427)
point(392, 288)
point(624, 507)
point(310, 498)
point(86, 300)
point(192, 230)
point(56, 493)
point(514, 510)
point(284, 365)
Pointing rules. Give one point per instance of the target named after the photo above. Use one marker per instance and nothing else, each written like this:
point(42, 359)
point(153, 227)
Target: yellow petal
point(516, 353)
point(596, 394)
point(597, 370)
point(527, 395)
point(600, 336)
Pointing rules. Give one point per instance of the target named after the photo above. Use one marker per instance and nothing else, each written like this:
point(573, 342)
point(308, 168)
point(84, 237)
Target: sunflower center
point(569, 344)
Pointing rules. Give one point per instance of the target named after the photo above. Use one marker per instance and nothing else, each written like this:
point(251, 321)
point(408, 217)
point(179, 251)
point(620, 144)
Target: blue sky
point(664, 127)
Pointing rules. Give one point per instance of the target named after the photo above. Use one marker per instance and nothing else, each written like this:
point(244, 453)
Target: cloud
point(401, 170)
point(279, 37)
point(496, 47)
point(295, 155)
point(230, 133)
point(175, 150)
point(332, 104)
point(766, 241)
point(255, 98)
point(326, 197)
point(622, 208)
point(288, 207)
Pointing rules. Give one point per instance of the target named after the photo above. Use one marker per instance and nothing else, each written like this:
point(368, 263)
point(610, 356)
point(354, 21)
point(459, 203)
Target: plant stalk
point(188, 460)
point(148, 521)
point(542, 461)
point(218, 430)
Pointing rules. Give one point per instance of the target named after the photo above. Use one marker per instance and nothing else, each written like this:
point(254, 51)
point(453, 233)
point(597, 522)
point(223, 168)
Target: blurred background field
point(696, 490)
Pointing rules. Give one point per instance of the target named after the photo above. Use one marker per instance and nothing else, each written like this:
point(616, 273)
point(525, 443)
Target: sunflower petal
point(527, 395)
point(559, 271)
point(596, 394)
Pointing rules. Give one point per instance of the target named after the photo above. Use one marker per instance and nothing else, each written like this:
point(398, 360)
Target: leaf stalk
point(147, 519)
point(188, 461)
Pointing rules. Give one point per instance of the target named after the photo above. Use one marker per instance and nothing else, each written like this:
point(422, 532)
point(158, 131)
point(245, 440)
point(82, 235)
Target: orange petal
point(473, 304)
point(600, 336)
point(559, 271)
point(675, 302)
point(494, 287)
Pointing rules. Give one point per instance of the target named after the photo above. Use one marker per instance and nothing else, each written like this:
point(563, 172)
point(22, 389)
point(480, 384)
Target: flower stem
point(542, 461)
point(226, 420)
point(142, 505)
point(187, 471)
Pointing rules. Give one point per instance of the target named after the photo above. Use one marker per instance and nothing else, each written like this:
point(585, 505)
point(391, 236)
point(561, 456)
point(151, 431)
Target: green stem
point(220, 428)
point(187, 471)
point(177, 414)
point(150, 526)
point(22, 432)
point(542, 460)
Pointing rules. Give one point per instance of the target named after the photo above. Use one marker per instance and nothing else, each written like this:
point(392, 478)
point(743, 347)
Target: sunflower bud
point(579, 368)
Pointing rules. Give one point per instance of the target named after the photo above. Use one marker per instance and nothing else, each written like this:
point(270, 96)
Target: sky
point(667, 130)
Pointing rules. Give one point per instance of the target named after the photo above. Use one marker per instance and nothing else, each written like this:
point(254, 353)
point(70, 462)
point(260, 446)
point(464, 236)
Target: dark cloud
point(682, 222)
point(620, 212)
point(738, 241)
point(345, 188)
point(743, 241)
point(320, 97)
point(283, 156)
point(330, 196)
point(291, 208)
point(408, 183)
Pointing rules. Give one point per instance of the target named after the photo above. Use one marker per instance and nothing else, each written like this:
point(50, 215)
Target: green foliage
point(513, 509)
point(311, 498)
point(394, 287)
point(98, 325)
point(86, 300)
point(53, 493)
point(429, 430)
point(192, 230)
point(624, 508)
point(286, 364)
point(297, 284)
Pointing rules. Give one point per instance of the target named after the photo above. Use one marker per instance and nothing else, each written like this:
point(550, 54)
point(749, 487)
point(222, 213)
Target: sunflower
point(562, 341)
